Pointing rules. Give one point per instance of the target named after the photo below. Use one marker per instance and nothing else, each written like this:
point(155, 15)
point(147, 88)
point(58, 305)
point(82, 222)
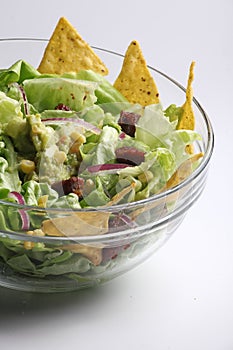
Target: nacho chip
point(135, 81)
point(94, 254)
point(182, 173)
point(187, 119)
point(77, 224)
point(121, 195)
point(68, 52)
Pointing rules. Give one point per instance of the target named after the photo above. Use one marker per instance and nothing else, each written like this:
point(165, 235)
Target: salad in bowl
point(94, 175)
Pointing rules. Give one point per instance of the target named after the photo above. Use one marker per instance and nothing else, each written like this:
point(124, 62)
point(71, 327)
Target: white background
point(182, 297)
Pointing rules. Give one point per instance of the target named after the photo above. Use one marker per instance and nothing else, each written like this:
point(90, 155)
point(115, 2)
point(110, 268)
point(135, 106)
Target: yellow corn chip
point(135, 81)
point(187, 120)
point(120, 195)
point(77, 224)
point(182, 173)
point(68, 52)
point(92, 253)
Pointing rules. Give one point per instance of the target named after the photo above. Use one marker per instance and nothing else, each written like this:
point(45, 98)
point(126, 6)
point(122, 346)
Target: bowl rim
point(119, 207)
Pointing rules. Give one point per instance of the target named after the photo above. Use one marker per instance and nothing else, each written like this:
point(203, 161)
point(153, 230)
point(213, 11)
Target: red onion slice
point(24, 97)
point(25, 219)
point(17, 196)
point(23, 213)
point(108, 167)
point(128, 221)
point(78, 121)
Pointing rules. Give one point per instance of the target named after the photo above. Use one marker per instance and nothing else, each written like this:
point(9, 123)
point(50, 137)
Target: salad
point(73, 141)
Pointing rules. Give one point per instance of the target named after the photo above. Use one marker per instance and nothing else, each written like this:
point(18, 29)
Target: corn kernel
point(28, 245)
point(38, 232)
point(42, 201)
point(36, 130)
point(60, 156)
point(78, 142)
point(27, 166)
point(81, 139)
point(74, 135)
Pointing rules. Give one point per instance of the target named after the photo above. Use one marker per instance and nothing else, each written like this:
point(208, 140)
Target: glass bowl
point(40, 263)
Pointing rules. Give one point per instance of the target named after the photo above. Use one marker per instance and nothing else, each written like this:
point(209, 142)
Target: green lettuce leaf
point(47, 93)
point(71, 200)
point(18, 129)
point(9, 177)
point(32, 191)
point(97, 197)
point(155, 130)
point(9, 108)
point(153, 127)
point(173, 113)
point(105, 91)
point(103, 151)
point(179, 140)
point(18, 72)
point(54, 264)
point(161, 163)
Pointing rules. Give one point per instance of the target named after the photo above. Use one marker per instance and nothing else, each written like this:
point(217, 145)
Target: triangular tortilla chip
point(92, 253)
point(68, 52)
point(77, 224)
point(187, 119)
point(135, 81)
point(120, 195)
point(183, 172)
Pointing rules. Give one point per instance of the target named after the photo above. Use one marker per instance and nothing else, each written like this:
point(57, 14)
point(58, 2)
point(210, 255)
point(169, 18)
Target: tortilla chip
point(77, 224)
point(187, 119)
point(68, 52)
point(135, 81)
point(94, 254)
point(121, 195)
point(182, 173)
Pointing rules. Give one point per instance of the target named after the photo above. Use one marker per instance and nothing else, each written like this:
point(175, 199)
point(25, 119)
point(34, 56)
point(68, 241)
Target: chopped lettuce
point(32, 191)
point(48, 93)
point(83, 110)
point(9, 176)
point(105, 92)
point(18, 72)
point(9, 108)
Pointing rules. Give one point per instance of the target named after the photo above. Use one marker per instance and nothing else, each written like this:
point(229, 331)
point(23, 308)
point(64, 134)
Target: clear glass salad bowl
point(43, 263)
